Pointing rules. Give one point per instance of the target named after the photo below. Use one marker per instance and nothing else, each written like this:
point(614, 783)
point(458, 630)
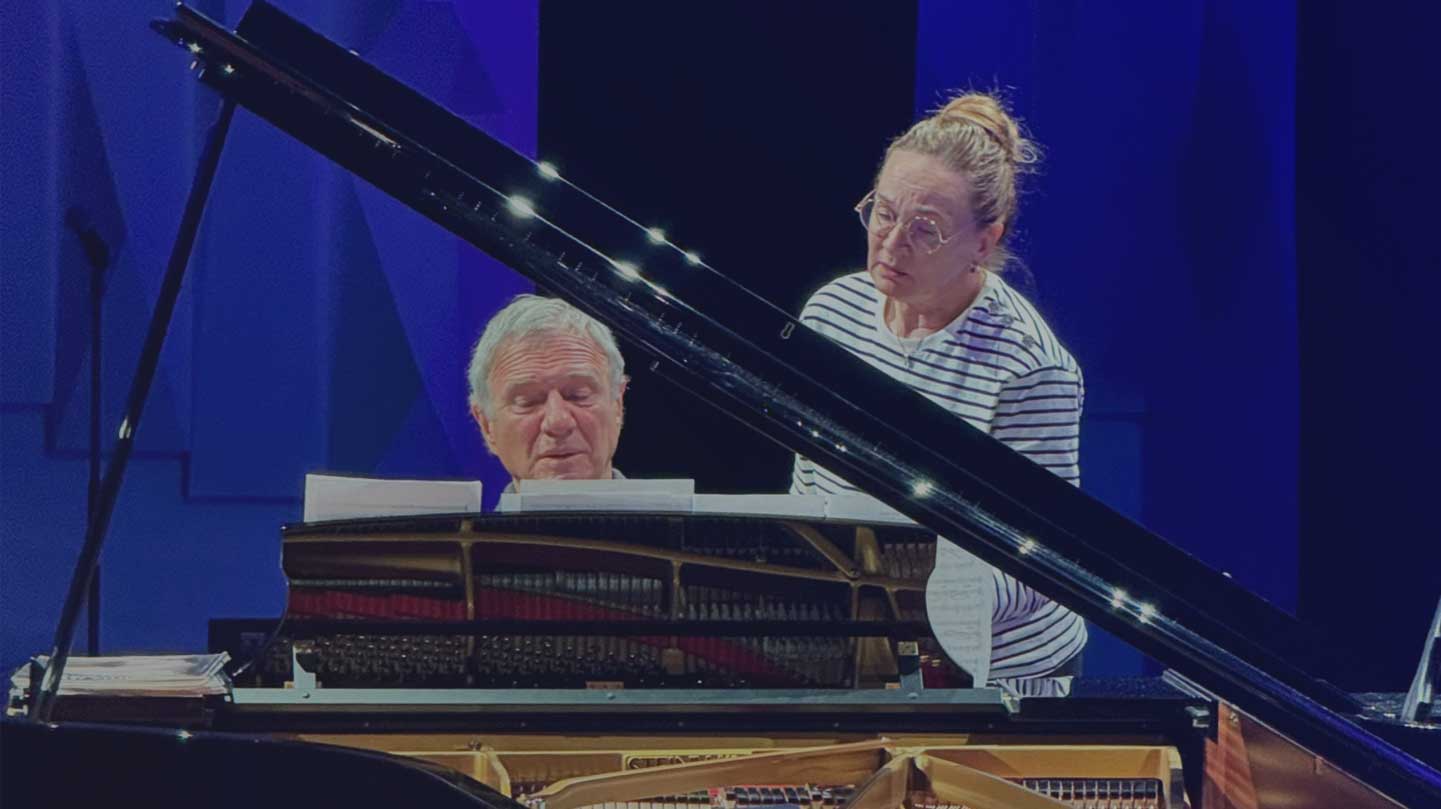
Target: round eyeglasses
point(921, 232)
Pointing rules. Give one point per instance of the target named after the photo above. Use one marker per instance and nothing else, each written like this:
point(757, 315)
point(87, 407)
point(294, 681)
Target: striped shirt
point(999, 367)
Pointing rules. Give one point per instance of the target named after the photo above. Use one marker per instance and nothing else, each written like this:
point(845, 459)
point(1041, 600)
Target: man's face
point(552, 412)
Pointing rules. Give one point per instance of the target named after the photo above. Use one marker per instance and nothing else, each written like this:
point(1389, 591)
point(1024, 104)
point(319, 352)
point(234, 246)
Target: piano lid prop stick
point(104, 506)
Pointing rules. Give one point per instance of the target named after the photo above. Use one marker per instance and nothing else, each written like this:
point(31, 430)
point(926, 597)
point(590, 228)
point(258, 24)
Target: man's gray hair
point(529, 315)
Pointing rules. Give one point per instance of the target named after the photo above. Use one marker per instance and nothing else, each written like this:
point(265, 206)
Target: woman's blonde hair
point(975, 136)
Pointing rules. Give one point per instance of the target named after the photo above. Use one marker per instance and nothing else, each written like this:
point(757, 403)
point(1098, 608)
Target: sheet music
point(616, 494)
point(863, 508)
point(960, 599)
point(803, 506)
point(341, 497)
point(138, 675)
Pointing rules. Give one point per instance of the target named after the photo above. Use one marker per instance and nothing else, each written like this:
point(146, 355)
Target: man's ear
point(620, 399)
point(484, 424)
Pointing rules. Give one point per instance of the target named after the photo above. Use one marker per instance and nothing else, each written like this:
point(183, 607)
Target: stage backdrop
point(324, 327)
point(1157, 238)
point(1160, 237)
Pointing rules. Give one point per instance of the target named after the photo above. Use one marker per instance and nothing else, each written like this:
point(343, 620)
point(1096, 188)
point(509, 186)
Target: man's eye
point(579, 395)
point(525, 402)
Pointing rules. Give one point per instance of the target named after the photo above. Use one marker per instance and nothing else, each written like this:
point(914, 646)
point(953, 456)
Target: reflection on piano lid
point(74, 765)
point(737, 352)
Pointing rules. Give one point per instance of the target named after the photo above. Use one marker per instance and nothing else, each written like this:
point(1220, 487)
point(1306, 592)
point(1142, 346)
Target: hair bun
point(986, 112)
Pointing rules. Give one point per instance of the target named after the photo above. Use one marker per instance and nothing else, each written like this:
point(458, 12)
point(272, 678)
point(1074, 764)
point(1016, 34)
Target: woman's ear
point(989, 239)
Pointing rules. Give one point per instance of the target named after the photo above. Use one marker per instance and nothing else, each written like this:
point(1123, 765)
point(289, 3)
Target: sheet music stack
point(135, 676)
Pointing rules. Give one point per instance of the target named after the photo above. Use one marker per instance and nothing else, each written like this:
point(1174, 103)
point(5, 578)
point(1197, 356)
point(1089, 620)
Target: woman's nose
point(895, 238)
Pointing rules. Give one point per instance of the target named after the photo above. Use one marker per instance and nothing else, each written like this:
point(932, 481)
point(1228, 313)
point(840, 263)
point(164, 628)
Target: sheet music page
point(960, 599)
point(858, 507)
point(805, 506)
point(138, 675)
point(616, 494)
point(340, 497)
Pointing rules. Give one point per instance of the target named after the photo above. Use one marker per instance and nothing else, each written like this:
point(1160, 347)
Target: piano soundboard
point(932, 772)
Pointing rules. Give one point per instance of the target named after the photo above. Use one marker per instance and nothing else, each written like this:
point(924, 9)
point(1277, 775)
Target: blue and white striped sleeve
point(1039, 416)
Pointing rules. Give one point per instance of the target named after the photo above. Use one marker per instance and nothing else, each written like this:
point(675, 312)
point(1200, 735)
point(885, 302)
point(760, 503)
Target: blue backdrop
point(1161, 238)
point(323, 326)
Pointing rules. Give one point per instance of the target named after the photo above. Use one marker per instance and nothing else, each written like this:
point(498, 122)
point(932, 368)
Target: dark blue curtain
point(1159, 237)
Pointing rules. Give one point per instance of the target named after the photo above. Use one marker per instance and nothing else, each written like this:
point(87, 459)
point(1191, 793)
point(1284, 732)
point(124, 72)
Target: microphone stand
point(43, 703)
point(97, 255)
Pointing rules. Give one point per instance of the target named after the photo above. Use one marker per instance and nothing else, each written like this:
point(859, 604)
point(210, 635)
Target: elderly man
point(546, 382)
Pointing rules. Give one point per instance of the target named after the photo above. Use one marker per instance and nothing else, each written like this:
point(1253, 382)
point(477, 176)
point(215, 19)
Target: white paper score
point(960, 599)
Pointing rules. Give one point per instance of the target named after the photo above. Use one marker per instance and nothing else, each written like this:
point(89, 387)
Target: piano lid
point(717, 340)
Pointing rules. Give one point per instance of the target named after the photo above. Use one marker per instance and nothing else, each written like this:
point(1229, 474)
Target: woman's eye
point(921, 227)
point(884, 215)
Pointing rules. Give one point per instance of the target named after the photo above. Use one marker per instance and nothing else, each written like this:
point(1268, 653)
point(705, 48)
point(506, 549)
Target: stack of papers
point(678, 496)
point(339, 497)
point(619, 494)
point(138, 676)
point(802, 506)
point(862, 508)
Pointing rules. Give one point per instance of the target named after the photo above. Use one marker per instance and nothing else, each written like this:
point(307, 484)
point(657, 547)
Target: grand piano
point(666, 659)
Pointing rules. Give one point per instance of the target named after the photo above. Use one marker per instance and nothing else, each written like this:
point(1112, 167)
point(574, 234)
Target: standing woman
point(932, 311)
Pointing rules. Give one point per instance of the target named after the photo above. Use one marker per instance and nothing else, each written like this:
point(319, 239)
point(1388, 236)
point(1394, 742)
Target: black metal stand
point(97, 296)
point(97, 256)
point(1420, 703)
point(104, 504)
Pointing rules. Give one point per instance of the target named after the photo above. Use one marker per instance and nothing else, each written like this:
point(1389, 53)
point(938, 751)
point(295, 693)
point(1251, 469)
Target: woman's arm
point(1039, 416)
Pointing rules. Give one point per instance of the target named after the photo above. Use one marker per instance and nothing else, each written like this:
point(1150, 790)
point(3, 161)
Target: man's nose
point(557, 419)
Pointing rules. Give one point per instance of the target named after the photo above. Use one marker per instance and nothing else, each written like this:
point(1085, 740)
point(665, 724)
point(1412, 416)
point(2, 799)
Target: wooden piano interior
point(949, 771)
point(568, 569)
